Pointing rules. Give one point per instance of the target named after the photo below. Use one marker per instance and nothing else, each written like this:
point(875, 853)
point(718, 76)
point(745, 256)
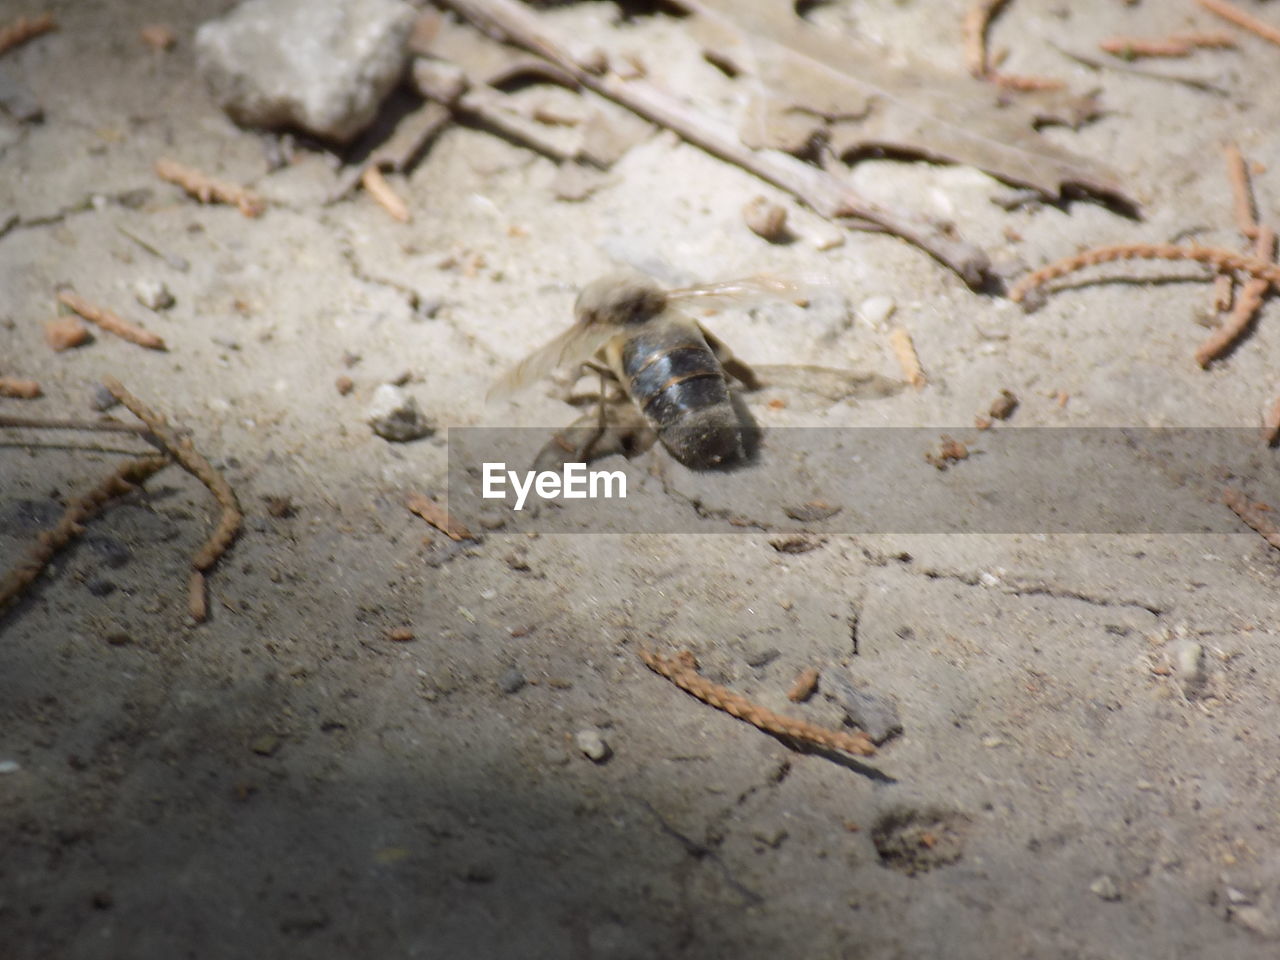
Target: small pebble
point(344, 385)
point(512, 681)
point(1105, 888)
point(875, 715)
point(395, 415)
point(1255, 919)
point(767, 219)
point(1188, 663)
point(153, 294)
point(874, 311)
point(593, 745)
point(100, 586)
point(9, 766)
point(265, 745)
point(1003, 406)
point(102, 399)
point(400, 635)
point(119, 638)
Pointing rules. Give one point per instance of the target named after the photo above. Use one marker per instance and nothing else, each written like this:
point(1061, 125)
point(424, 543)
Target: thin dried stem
point(1216, 257)
point(185, 453)
point(1254, 514)
point(905, 350)
point(208, 190)
point(1241, 191)
point(682, 670)
point(111, 322)
point(19, 388)
point(120, 483)
point(1229, 11)
point(375, 184)
point(977, 20)
point(1247, 304)
point(1174, 45)
point(24, 29)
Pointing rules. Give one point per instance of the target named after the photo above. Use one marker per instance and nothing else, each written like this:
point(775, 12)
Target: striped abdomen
point(674, 378)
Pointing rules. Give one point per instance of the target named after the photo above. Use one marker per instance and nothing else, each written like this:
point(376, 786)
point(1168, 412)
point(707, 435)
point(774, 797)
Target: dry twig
point(977, 20)
point(1253, 514)
point(208, 190)
point(1251, 294)
point(803, 686)
point(19, 389)
point(24, 29)
point(193, 462)
point(1174, 45)
point(682, 670)
point(437, 516)
point(1241, 191)
point(1271, 424)
point(1229, 11)
point(1216, 257)
point(375, 184)
point(905, 350)
point(829, 196)
point(111, 322)
point(123, 481)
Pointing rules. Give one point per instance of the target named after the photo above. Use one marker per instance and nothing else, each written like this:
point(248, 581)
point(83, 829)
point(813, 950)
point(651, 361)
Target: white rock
point(1188, 663)
point(874, 311)
point(396, 416)
point(591, 743)
point(9, 766)
point(1105, 888)
point(324, 67)
point(153, 294)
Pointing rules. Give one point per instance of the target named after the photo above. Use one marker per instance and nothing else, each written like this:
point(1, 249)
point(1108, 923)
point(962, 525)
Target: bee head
point(620, 299)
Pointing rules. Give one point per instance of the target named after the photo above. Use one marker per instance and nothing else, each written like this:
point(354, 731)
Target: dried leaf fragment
point(437, 516)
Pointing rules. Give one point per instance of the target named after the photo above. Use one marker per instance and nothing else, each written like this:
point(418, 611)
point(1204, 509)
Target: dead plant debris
point(106, 320)
point(682, 670)
point(438, 517)
point(1230, 12)
point(19, 389)
point(206, 189)
point(1174, 45)
point(24, 29)
point(1254, 514)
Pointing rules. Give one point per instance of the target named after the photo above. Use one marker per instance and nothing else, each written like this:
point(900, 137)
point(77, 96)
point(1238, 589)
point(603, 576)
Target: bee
point(674, 371)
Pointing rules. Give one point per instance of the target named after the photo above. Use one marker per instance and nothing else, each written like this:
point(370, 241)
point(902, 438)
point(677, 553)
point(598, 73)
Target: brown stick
point(1216, 257)
point(40, 423)
point(683, 672)
point(123, 481)
point(827, 195)
point(1223, 292)
point(1271, 425)
point(1241, 191)
point(19, 389)
point(191, 460)
point(375, 184)
point(24, 29)
point(977, 20)
point(208, 190)
point(1247, 304)
point(1253, 514)
point(1174, 45)
point(111, 322)
point(905, 350)
point(1234, 14)
point(803, 686)
point(197, 597)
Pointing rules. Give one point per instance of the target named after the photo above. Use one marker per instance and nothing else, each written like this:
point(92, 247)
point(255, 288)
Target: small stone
point(400, 635)
point(344, 385)
point(759, 659)
point(102, 399)
point(265, 745)
point(1188, 664)
point(593, 745)
point(1105, 888)
point(512, 681)
point(119, 638)
point(1003, 406)
point(65, 333)
point(1255, 919)
point(324, 67)
point(875, 715)
point(100, 586)
point(395, 415)
point(153, 294)
point(767, 219)
point(875, 311)
point(9, 766)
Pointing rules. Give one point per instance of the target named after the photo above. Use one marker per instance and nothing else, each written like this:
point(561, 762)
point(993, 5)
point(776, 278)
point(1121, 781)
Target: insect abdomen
point(676, 380)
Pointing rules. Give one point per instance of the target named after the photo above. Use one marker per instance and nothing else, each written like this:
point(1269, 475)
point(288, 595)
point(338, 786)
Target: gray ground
point(285, 780)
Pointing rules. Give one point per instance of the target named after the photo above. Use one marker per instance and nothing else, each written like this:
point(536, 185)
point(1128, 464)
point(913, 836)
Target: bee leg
point(738, 369)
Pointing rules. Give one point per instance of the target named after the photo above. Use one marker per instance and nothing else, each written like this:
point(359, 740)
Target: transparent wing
point(580, 342)
point(750, 291)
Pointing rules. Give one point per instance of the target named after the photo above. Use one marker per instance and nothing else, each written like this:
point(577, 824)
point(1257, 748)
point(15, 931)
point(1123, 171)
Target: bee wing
point(580, 342)
point(749, 291)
